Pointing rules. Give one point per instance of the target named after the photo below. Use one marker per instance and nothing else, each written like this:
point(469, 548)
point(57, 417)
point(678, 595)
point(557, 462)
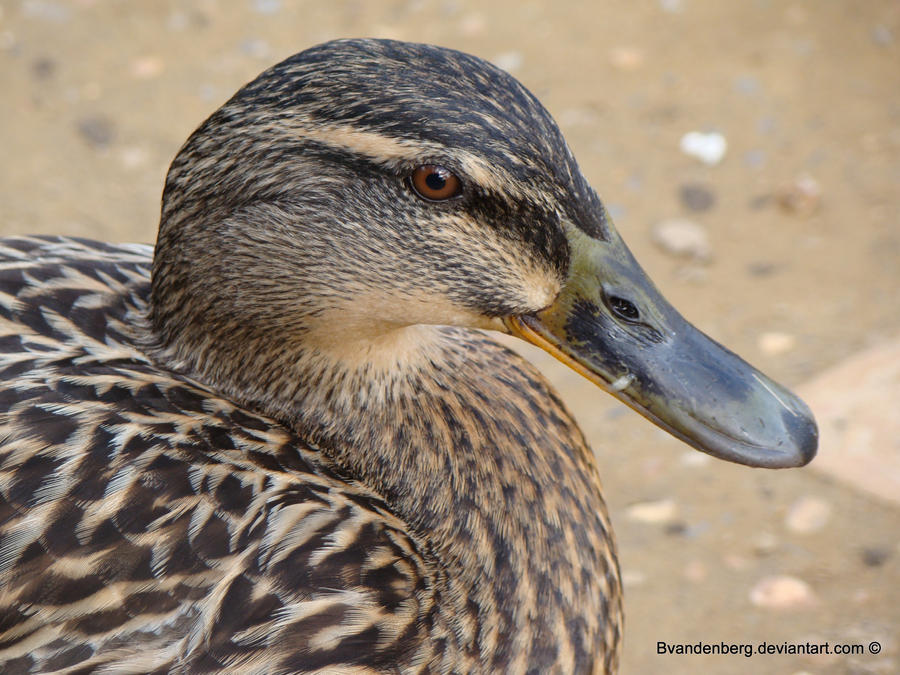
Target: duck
point(284, 440)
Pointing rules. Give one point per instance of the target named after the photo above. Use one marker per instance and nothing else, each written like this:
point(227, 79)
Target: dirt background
point(98, 96)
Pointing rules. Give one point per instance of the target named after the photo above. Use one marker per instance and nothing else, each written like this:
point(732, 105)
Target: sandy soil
point(98, 96)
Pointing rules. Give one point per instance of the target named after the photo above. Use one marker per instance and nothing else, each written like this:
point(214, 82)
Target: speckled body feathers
point(149, 525)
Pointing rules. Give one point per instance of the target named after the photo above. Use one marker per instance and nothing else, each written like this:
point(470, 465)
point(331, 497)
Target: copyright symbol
point(874, 647)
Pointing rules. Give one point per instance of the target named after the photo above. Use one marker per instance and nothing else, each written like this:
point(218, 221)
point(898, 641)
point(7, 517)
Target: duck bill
point(612, 325)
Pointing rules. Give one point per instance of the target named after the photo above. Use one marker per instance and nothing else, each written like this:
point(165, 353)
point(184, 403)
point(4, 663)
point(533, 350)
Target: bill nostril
point(622, 308)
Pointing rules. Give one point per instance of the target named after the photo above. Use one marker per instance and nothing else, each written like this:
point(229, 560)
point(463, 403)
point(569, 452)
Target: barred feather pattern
point(148, 524)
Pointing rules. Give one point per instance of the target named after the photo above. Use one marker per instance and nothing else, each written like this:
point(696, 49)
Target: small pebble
point(671, 6)
point(775, 344)
point(761, 269)
point(571, 117)
point(694, 459)
point(626, 57)
point(7, 40)
point(735, 562)
point(207, 92)
point(46, 10)
point(615, 413)
point(682, 238)
point(473, 24)
point(875, 556)
point(808, 514)
point(692, 274)
point(661, 511)
point(509, 61)
point(871, 142)
point(697, 197)
point(796, 15)
point(758, 202)
point(676, 529)
point(634, 182)
point(448, 7)
point(97, 130)
point(133, 157)
point(267, 6)
point(709, 148)
point(746, 84)
point(802, 196)
point(755, 159)
point(177, 21)
point(632, 578)
point(782, 593)
point(43, 68)
point(147, 67)
point(257, 48)
point(652, 467)
point(615, 210)
point(765, 543)
point(696, 571)
point(882, 35)
point(696, 529)
point(766, 125)
point(91, 91)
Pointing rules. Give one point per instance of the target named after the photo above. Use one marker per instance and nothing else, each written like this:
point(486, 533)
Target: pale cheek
point(370, 315)
point(428, 308)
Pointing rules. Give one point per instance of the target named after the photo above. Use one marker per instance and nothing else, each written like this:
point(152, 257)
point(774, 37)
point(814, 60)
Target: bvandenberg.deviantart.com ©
point(764, 648)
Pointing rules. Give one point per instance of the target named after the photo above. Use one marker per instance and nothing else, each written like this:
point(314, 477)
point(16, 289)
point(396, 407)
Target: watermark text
point(748, 649)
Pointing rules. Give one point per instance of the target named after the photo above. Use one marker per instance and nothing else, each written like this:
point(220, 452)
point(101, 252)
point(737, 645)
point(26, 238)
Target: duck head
point(365, 187)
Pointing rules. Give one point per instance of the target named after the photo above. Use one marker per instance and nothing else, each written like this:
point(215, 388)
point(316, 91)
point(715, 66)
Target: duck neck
point(466, 442)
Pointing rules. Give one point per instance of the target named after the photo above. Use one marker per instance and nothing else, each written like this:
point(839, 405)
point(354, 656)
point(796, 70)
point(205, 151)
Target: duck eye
point(623, 308)
point(435, 183)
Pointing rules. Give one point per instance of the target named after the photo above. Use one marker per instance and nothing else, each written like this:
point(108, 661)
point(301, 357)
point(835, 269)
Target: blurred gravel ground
point(790, 252)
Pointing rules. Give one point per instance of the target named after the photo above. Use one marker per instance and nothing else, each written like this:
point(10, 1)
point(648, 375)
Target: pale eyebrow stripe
point(382, 148)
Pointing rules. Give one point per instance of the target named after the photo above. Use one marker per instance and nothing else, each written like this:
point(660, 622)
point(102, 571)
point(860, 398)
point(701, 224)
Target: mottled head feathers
point(300, 184)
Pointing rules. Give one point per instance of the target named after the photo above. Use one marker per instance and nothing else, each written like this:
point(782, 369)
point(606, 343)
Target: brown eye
point(435, 183)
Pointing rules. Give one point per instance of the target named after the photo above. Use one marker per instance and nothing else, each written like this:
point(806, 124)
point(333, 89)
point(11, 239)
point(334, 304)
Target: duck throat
point(466, 442)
